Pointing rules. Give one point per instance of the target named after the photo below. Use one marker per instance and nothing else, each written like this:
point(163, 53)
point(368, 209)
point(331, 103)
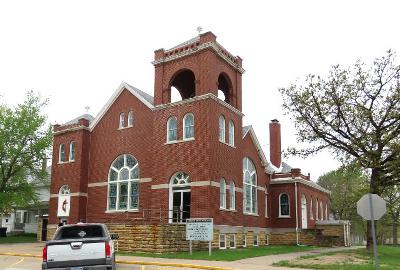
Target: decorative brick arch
point(184, 80)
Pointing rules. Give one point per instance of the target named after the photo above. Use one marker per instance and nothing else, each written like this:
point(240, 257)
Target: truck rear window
point(78, 232)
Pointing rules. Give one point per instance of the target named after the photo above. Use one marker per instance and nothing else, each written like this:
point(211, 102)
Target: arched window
point(250, 187)
point(61, 153)
point(232, 196)
point(121, 120)
point(231, 133)
point(311, 209)
point(222, 194)
point(221, 124)
point(266, 202)
point(72, 151)
point(321, 210)
point(123, 184)
point(172, 129)
point(64, 190)
point(130, 119)
point(188, 126)
point(284, 210)
point(184, 82)
point(316, 209)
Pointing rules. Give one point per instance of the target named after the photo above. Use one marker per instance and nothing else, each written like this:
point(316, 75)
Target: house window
point(232, 241)
point(231, 133)
point(121, 120)
point(255, 240)
point(326, 212)
point(316, 210)
point(222, 241)
point(244, 239)
point(232, 191)
point(311, 209)
point(283, 205)
point(61, 153)
point(250, 187)
point(130, 119)
point(188, 124)
point(172, 129)
point(266, 203)
point(266, 239)
point(321, 210)
point(221, 123)
point(64, 190)
point(222, 194)
point(123, 184)
point(72, 151)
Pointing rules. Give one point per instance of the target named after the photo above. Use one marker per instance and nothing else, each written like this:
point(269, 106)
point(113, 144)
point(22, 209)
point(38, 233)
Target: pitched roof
point(187, 42)
point(142, 96)
point(86, 116)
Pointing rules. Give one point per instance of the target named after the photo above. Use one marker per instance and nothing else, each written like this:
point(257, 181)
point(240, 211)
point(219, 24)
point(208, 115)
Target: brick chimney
point(275, 143)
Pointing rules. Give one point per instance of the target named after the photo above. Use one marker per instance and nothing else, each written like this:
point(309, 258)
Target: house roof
point(187, 42)
point(86, 116)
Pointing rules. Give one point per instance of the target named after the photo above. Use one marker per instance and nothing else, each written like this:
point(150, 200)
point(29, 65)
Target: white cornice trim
point(71, 129)
point(73, 194)
point(198, 98)
point(208, 45)
point(289, 180)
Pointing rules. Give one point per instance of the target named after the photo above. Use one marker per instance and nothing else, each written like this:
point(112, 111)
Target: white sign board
point(200, 229)
point(63, 205)
point(378, 207)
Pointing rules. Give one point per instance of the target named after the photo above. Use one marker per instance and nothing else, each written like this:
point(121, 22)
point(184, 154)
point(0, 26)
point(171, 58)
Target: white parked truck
point(81, 246)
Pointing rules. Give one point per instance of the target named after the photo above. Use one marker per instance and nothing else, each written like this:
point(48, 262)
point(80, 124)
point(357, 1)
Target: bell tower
point(197, 67)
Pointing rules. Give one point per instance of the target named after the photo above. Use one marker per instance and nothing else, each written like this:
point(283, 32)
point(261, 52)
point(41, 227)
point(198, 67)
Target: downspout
point(297, 220)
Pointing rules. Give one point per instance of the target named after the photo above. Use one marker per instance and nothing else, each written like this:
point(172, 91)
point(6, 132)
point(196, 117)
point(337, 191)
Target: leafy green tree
point(347, 185)
point(24, 140)
point(392, 197)
point(353, 112)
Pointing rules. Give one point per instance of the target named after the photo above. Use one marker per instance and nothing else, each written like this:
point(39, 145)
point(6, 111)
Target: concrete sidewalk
point(256, 263)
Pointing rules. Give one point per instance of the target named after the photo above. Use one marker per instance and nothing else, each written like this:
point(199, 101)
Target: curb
point(132, 262)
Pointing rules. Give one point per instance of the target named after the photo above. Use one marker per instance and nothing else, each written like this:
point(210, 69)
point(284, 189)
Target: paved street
point(257, 263)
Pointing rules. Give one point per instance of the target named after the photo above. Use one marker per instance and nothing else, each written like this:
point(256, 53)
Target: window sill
point(233, 146)
point(227, 210)
point(283, 216)
point(179, 141)
point(250, 214)
point(121, 211)
point(65, 162)
point(121, 128)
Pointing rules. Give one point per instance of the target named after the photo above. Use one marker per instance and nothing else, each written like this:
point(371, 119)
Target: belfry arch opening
point(224, 88)
point(182, 85)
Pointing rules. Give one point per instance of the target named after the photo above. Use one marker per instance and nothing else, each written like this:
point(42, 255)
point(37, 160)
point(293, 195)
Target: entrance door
point(303, 212)
point(44, 229)
point(180, 205)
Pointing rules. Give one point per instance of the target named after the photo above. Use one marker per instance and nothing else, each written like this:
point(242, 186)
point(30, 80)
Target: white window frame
point(221, 128)
point(266, 203)
point(316, 210)
point(189, 126)
point(232, 195)
point(234, 240)
point(220, 241)
point(252, 186)
point(222, 194)
point(326, 211)
point(118, 183)
point(231, 135)
point(130, 118)
point(244, 240)
point(321, 209)
point(72, 149)
point(121, 120)
point(169, 128)
point(311, 209)
point(255, 240)
point(61, 153)
point(280, 205)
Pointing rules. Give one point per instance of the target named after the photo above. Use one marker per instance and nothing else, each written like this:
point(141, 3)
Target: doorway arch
point(179, 197)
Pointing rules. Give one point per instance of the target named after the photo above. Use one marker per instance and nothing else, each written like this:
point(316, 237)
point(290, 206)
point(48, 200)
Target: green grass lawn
point(361, 259)
point(21, 238)
point(226, 254)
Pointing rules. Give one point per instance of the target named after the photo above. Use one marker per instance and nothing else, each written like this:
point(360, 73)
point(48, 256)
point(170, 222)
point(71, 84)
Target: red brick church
point(147, 161)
